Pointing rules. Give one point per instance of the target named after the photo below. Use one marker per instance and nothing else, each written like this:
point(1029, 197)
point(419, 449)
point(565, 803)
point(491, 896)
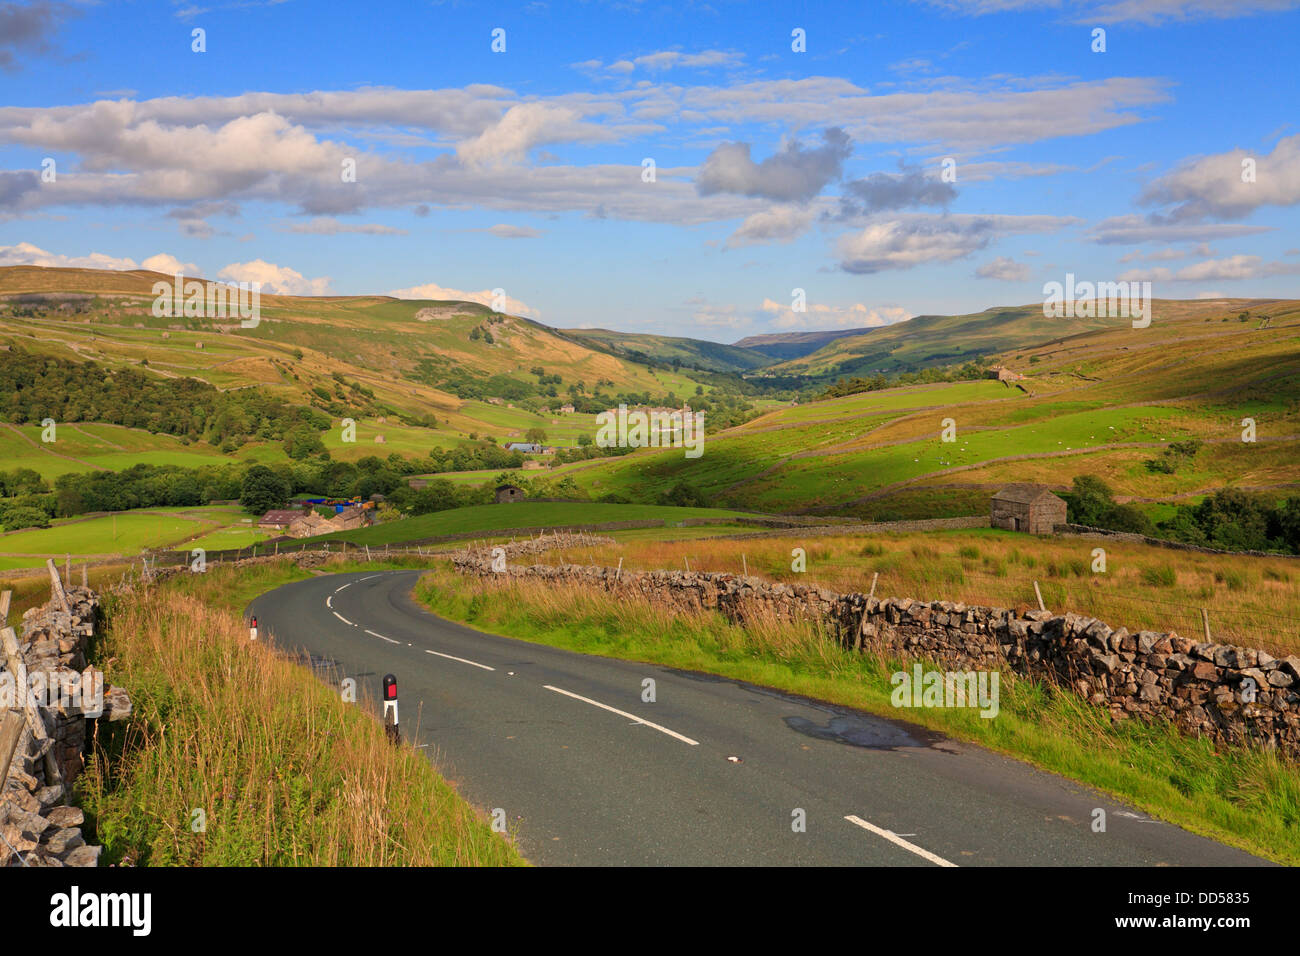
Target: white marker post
point(252, 629)
point(390, 706)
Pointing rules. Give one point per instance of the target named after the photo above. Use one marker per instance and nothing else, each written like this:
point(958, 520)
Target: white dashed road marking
point(893, 837)
point(344, 619)
point(382, 638)
point(622, 713)
point(461, 659)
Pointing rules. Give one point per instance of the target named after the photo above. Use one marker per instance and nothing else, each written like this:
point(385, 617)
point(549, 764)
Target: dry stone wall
point(1229, 693)
point(48, 693)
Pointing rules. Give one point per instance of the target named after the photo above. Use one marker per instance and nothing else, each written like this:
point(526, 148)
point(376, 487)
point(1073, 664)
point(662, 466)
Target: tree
point(15, 519)
point(535, 435)
point(262, 490)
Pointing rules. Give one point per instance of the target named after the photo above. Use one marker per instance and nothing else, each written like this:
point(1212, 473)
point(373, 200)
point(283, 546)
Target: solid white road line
point(893, 837)
point(348, 585)
point(622, 713)
point(461, 659)
point(344, 619)
point(382, 638)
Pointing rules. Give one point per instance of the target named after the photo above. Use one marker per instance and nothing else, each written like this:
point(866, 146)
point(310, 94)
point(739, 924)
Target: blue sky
point(820, 170)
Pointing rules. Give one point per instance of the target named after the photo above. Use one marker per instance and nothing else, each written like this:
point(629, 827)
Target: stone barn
point(1029, 508)
point(509, 493)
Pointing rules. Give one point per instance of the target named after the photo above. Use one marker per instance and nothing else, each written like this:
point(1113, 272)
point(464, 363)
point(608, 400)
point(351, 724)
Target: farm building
point(566, 409)
point(1029, 508)
point(278, 519)
point(509, 493)
point(1004, 374)
point(528, 448)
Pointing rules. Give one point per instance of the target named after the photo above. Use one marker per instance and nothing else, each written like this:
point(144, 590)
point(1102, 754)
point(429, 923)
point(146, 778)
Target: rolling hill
point(779, 346)
point(1099, 402)
point(930, 340)
point(413, 374)
point(667, 349)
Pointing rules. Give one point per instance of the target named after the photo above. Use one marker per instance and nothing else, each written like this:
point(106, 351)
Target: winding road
point(711, 772)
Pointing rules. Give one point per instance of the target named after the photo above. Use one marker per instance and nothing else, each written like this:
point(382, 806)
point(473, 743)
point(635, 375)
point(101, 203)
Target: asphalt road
point(712, 772)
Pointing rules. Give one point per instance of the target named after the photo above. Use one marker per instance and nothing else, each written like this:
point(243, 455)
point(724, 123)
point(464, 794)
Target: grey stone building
point(1029, 508)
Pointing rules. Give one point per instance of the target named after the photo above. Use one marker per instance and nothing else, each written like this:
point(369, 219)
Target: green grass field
point(523, 514)
point(128, 533)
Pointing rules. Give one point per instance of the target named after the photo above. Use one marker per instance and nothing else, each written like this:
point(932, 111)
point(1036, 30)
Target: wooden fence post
point(1039, 594)
point(1205, 622)
point(56, 586)
point(4, 622)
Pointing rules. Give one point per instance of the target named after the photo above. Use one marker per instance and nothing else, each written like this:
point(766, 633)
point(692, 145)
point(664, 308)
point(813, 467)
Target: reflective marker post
point(252, 629)
point(390, 706)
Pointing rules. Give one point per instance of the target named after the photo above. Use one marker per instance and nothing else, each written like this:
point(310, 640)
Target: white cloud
point(431, 290)
point(276, 280)
point(916, 240)
point(778, 224)
point(822, 316)
point(329, 226)
point(1230, 268)
point(1212, 186)
point(26, 254)
point(169, 265)
point(1004, 268)
point(524, 126)
point(1125, 11)
point(506, 231)
point(1133, 229)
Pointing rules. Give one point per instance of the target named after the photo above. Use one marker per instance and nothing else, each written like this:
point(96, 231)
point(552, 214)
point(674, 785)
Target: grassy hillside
point(429, 363)
point(1099, 403)
point(523, 514)
point(667, 349)
point(779, 346)
point(952, 339)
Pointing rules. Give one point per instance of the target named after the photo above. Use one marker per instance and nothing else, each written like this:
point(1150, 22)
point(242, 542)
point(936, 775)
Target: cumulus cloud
point(431, 290)
point(1004, 268)
point(277, 280)
point(524, 126)
point(820, 316)
point(1211, 187)
point(27, 28)
point(793, 174)
point(169, 265)
point(1229, 268)
point(907, 242)
point(778, 224)
point(883, 192)
point(26, 254)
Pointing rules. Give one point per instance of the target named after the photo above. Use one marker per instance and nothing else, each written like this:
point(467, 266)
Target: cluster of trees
point(1174, 456)
point(1236, 520)
point(1230, 519)
point(926, 376)
point(36, 387)
point(1092, 502)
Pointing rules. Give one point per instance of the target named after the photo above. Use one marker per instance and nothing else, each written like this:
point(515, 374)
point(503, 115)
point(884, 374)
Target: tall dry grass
point(1248, 796)
point(1251, 600)
point(284, 771)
